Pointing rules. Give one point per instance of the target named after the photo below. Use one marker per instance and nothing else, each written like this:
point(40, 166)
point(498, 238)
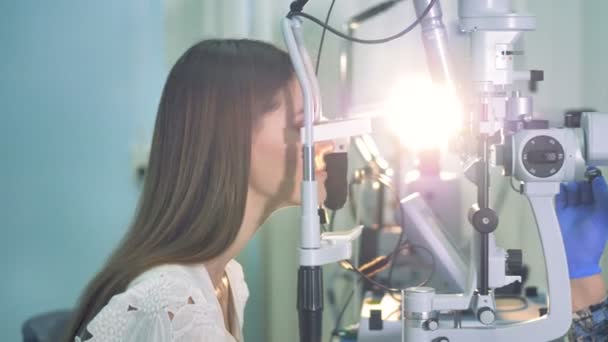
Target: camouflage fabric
point(591, 324)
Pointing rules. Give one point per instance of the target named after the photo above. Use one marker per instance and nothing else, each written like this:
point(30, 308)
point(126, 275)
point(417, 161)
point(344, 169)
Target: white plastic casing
point(595, 126)
point(574, 164)
point(337, 129)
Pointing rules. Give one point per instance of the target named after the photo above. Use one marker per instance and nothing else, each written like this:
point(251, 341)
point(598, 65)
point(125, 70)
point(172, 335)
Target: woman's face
point(276, 155)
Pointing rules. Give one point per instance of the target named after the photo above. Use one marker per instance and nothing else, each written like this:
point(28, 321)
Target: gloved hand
point(582, 210)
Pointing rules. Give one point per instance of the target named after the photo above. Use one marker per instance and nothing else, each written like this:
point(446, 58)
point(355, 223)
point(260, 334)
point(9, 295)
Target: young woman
point(225, 154)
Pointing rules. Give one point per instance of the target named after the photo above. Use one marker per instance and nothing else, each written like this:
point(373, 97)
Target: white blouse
point(171, 303)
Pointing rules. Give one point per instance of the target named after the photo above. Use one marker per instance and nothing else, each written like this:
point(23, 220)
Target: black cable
point(339, 319)
point(367, 277)
point(400, 243)
point(297, 5)
point(386, 182)
point(366, 41)
point(513, 186)
point(352, 267)
point(392, 256)
point(392, 313)
point(331, 7)
point(372, 12)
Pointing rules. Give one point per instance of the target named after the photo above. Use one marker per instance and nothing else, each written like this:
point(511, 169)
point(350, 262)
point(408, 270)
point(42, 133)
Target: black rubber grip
point(310, 303)
point(336, 184)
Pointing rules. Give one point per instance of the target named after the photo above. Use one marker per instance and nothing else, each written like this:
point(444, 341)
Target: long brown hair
point(195, 189)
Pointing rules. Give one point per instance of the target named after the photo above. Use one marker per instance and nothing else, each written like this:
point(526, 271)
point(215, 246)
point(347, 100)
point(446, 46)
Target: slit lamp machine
point(505, 135)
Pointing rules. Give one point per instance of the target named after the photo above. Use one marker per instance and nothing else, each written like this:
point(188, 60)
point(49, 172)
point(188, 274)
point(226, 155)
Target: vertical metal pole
point(310, 277)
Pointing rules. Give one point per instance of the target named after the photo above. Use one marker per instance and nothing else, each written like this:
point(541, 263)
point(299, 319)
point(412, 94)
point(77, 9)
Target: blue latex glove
point(582, 210)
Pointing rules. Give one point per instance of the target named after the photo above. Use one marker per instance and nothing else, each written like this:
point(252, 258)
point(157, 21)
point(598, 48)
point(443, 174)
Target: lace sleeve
point(161, 308)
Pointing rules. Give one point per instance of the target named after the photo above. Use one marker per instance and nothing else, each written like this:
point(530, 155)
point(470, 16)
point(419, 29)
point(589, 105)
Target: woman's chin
point(298, 201)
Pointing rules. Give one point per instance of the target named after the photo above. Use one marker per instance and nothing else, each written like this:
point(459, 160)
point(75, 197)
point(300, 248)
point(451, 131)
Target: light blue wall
point(79, 85)
point(596, 50)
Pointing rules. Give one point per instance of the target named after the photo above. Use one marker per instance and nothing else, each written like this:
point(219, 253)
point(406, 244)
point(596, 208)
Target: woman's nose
point(321, 149)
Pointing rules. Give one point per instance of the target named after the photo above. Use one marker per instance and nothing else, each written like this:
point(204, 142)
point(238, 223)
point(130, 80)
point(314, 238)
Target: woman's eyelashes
point(297, 126)
point(298, 123)
point(292, 133)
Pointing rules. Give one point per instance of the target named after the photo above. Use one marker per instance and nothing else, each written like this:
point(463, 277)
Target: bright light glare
point(424, 115)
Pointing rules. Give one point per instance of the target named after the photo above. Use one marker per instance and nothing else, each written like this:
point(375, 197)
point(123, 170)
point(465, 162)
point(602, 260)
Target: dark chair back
point(46, 327)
